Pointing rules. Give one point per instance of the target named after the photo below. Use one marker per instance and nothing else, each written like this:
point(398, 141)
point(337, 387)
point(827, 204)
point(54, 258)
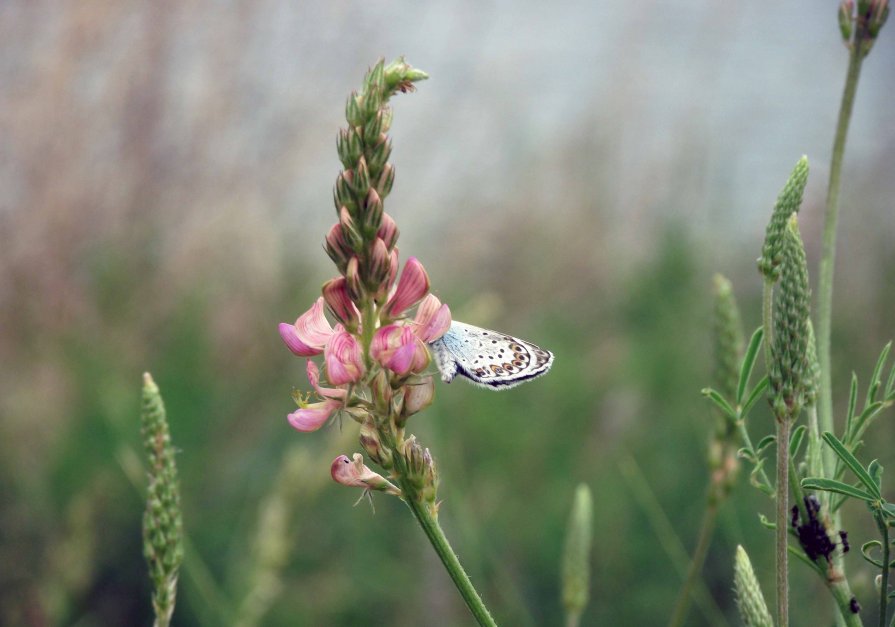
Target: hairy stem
point(884, 584)
point(442, 547)
point(703, 541)
point(783, 424)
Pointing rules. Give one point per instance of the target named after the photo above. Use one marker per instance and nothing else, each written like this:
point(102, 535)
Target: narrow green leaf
point(769, 524)
point(765, 442)
point(875, 381)
point(754, 395)
point(831, 485)
point(852, 462)
point(860, 423)
point(890, 383)
point(747, 454)
point(889, 509)
point(749, 363)
point(795, 442)
point(875, 470)
point(852, 403)
point(865, 551)
point(718, 400)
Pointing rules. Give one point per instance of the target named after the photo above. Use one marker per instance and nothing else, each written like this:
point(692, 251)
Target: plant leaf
point(717, 399)
point(865, 551)
point(889, 509)
point(875, 470)
point(852, 402)
point(852, 462)
point(765, 442)
point(748, 363)
point(754, 395)
point(875, 381)
point(795, 442)
point(831, 485)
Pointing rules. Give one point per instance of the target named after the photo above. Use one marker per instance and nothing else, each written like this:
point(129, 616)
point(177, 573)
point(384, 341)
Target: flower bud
point(352, 278)
point(879, 12)
point(361, 179)
point(350, 233)
point(398, 349)
point(369, 439)
point(335, 293)
point(382, 392)
point(353, 112)
point(418, 396)
point(386, 180)
point(372, 211)
point(846, 9)
point(336, 247)
point(373, 128)
point(388, 230)
point(343, 196)
point(380, 264)
point(432, 319)
point(382, 150)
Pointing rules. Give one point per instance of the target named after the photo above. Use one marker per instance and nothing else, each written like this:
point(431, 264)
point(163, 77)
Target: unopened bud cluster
point(788, 202)
point(162, 524)
point(791, 374)
point(860, 22)
point(750, 601)
point(375, 355)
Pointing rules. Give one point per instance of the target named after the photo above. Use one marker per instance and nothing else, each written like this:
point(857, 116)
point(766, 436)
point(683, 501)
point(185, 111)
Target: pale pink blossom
point(432, 319)
point(344, 358)
point(309, 334)
point(355, 474)
point(312, 416)
point(412, 286)
point(418, 396)
point(397, 348)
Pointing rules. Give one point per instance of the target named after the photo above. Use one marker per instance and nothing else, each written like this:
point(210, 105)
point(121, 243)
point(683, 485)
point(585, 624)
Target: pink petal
point(313, 416)
point(294, 343)
point(412, 286)
point(312, 327)
point(402, 359)
point(314, 378)
point(344, 359)
point(432, 319)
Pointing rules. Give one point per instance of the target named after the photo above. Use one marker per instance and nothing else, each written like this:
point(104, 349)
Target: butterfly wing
point(488, 358)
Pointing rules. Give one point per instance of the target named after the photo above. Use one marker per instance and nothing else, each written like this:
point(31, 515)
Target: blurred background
point(573, 175)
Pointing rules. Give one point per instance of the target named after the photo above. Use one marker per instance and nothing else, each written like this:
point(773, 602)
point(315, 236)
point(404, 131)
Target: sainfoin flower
point(399, 349)
point(432, 319)
point(412, 286)
point(355, 474)
point(343, 357)
point(312, 416)
point(309, 334)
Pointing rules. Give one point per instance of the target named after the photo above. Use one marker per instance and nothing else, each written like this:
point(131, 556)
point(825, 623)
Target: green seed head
point(750, 601)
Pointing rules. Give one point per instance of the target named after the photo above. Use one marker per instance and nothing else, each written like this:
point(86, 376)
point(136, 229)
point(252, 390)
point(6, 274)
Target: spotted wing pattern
point(488, 358)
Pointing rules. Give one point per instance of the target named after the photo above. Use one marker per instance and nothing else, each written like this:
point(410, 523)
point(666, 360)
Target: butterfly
point(491, 359)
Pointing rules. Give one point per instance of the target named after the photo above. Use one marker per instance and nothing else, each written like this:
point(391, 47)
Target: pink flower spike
point(412, 286)
point(309, 334)
point(344, 358)
point(432, 319)
point(355, 474)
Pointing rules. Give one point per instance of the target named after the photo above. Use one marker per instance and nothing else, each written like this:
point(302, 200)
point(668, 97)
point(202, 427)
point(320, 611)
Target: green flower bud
point(750, 602)
point(576, 555)
point(728, 336)
point(788, 203)
point(790, 370)
point(162, 524)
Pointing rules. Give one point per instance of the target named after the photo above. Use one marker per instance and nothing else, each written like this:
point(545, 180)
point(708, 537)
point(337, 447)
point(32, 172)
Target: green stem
point(443, 548)
point(884, 584)
point(831, 218)
point(703, 541)
point(747, 442)
point(669, 540)
point(783, 424)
